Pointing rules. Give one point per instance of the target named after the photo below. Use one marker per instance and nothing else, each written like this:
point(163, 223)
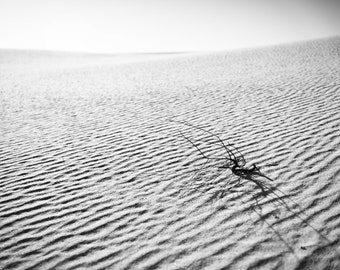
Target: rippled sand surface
point(95, 175)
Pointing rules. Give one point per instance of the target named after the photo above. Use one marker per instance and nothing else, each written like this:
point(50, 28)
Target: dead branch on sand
point(234, 159)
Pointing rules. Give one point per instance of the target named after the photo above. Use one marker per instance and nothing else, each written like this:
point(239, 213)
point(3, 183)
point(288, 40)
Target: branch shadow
point(212, 180)
point(224, 188)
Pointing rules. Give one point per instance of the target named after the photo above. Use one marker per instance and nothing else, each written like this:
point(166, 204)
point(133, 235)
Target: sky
point(143, 26)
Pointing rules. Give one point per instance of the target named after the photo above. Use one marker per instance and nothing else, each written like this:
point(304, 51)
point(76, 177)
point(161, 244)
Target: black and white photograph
point(170, 134)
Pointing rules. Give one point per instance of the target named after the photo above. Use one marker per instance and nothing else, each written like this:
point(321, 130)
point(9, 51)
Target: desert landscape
point(125, 162)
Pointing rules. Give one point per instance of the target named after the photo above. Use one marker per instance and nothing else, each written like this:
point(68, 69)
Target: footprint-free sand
point(95, 175)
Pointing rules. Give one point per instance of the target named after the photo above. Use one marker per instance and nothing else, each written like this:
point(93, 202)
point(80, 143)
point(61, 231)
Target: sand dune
point(95, 176)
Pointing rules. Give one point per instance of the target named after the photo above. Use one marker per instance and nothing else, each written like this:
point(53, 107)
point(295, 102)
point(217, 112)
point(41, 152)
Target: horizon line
point(97, 53)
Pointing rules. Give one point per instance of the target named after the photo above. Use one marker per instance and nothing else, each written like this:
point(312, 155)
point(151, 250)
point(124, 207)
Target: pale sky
point(123, 26)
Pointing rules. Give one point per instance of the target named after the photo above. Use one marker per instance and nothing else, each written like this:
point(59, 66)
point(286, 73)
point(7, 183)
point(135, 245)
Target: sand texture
point(95, 172)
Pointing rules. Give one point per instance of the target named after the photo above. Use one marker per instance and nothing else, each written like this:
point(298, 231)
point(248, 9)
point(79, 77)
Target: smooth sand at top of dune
point(95, 176)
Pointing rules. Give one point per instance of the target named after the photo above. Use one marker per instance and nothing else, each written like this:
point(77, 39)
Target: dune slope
point(94, 175)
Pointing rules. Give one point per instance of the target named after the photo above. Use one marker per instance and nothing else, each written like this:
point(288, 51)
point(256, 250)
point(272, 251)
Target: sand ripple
point(95, 176)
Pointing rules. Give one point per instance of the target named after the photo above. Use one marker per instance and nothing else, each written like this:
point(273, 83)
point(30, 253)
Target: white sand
point(94, 176)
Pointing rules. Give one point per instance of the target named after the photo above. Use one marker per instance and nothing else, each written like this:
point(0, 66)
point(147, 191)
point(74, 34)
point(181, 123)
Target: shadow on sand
point(223, 177)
